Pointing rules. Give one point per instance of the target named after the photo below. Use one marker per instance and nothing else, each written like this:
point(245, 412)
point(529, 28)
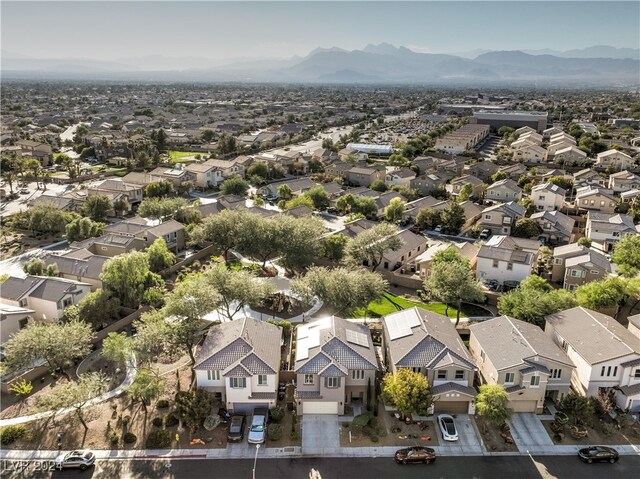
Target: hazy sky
point(109, 30)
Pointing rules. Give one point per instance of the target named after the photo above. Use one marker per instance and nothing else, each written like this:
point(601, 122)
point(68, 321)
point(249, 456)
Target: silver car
point(81, 459)
point(447, 427)
point(258, 428)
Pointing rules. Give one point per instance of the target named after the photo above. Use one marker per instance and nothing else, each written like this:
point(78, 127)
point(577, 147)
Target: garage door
point(456, 407)
point(523, 406)
point(247, 408)
point(320, 407)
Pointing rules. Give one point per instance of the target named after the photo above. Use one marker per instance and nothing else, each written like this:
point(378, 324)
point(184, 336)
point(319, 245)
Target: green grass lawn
point(181, 156)
point(390, 303)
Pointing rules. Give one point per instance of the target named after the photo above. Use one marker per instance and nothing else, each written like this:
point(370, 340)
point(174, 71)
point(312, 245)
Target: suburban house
point(546, 134)
point(514, 171)
point(574, 265)
point(36, 149)
point(399, 177)
point(365, 175)
point(405, 257)
point(623, 181)
point(587, 177)
point(547, 196)
point(46, 296)
point(424, 260)
point(412, 208)
point(504, 190)
point(520, 357)
point(556, 227)
point(240, 363)
point(80, 265)
point(615, 159)
point(606, 229)
point(530, 153)
point(570, 154)
point(456, 184)
point(501, 218)
point(507, 260)
point(297, 186)
point(12, 320)
point(128, 194)
point(592, 198)
point(428, 343)
point(483, 170)
point(607, 358)
point(335, 366)
point(428, 183)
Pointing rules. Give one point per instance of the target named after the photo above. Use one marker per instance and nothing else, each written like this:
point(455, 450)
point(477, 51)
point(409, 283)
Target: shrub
point(158, 439)
point(361, 420)
point(129, 438)
point(114, 436)
point(608, 429)
point(276, 414)
point(172, 420)
point(126, 420)
point(10, 434)
point(294, 436)
point(157, 421)
point(375, 438)
point(274, 432)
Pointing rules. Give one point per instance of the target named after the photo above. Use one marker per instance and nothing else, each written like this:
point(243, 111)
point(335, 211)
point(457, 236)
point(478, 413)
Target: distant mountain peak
point(326, 50)
point(383, 49)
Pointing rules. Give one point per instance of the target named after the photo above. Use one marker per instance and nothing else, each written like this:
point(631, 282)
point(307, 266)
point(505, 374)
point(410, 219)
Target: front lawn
point(390, 303)
point(181, 156)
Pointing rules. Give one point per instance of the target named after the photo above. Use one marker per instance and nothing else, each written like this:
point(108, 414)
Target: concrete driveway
point(527, 430)
point(468, 438)
point(320, 434)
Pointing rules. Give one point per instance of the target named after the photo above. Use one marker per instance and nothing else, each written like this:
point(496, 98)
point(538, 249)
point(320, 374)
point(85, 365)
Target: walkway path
point(131, 374)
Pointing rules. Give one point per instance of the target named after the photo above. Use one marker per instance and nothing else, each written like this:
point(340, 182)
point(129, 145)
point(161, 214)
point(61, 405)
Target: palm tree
point(10, 177)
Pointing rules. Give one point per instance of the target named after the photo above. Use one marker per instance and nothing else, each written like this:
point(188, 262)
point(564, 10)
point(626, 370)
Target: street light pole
point(255, 460)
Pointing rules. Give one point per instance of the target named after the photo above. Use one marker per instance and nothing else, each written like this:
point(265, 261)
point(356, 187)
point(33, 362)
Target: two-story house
point(335, 365)
point(530, 153)
point(606, 229)
point(483, 170)
point(556, 227)
point(575, 265)
point(606, 354)
point(592, 198)
point(428, 183)
point(456, 184)
point(428, 343)
point(399, 177)
point(365, 175)
point(506, 259)
point(520, 357)
point(80, 265)
point(514, 171)
point(617, 160)
point(127, 194)
point(587, 177)
point(623, 181)
point(240, 363)
point(547, 196)
point(500, 219)
point(504, 190)
point(46, 296)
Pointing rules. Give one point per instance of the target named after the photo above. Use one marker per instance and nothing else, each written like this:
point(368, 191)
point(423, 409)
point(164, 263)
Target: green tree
point(334, 247)
point(221, 230)
point(236, 289)
point(584, 241)
point(97, 207)
point(208, 135)
point(428, 218)
point(160, 258)
point(453, 218)
point(35, 267)
point(626, 254)
point(466, 192)
point(161, 208)
point(98, 308)
point(193, 407)
point(379, 185)
point(492, 404)
point(601, 294)
point(370, 246)
point(127, 276)
point(147, 386)
point(534, 299)
point(395, 210)
point(284, 192)
point(82, 228)
point(158, 189)
point(499, 175)
point(301, 200)
point(234, 186)
point(527, 228)
point(562, 182)
point(58, 344)
point(301, 245)
point(407, 391)
point(318, 196)
point(117, 348)
point(578, 407)
point(258, 169)
point(344, 289)
point(21, 389)
point(453, 283)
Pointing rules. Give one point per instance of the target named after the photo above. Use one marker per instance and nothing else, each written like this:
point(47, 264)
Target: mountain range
point(383, 63)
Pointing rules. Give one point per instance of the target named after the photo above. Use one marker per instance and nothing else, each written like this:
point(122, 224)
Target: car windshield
point(257, 428)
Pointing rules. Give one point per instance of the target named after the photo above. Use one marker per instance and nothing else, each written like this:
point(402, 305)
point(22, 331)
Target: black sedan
point(598, 454)
point(414, 454)
point(236, 428)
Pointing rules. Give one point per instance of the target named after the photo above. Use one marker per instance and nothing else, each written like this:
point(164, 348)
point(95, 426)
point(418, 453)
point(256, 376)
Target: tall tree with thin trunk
point(369, 247)
point(492, 404)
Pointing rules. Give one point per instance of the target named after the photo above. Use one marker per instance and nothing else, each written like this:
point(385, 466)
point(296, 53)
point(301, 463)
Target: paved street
point(508, 467)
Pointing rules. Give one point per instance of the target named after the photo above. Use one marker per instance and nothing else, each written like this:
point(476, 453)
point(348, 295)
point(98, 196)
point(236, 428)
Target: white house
point(547, 197)
point(240, 363)
point(13, 319)
point(506, 259)
point(606, 229)
point(504, 190)
point(606, 354)
point(399, 177)
point(615, 159)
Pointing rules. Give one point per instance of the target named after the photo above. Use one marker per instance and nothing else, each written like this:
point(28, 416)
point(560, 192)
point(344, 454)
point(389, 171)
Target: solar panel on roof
point(356, 337)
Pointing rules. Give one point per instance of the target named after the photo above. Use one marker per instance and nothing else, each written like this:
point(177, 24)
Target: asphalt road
point(508, 467)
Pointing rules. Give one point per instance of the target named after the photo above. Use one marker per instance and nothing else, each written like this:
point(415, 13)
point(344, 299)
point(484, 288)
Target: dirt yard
point(287, 439)
point(491, 437)
point(597, 435)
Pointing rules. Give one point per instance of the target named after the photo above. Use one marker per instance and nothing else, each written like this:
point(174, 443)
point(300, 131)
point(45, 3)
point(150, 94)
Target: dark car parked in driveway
point(415, 454)
point(598, 454)
point(236, 428)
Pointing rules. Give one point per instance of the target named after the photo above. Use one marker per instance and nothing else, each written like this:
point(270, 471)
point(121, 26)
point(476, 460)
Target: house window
point(357, 374)
point(535, 381)
point(442, 374)
point(495, 263)
point(262, 379)
point(593, 271)
point(487, 217)
point(541, 197)
point(509, 378)
point(24, 322)
point(482, 355)
point(459, 374)
point(636, 373)
point(556, 373)
point(213, 375)
point(238, 383)
point(308, 378)
point(602, 371)
point(23, 303)
point(575, 273)
point(332, 383)
point(67, 302)
point(386, 265)
point(416, 370)
point(509, 266)
point(557, 261)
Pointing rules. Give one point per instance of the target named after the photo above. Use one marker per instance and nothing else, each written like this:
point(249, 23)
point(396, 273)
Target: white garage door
point(320, 407)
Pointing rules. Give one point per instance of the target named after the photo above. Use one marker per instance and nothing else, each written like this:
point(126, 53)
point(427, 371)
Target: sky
point(111, 30)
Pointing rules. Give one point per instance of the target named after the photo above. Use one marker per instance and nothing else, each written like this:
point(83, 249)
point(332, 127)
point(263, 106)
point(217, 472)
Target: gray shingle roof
point(452, 387)
point(315, 364)
point(514, 389)
point(238, 371)
point(332, 371)
point(15, 288)
point(307, 394)
point(630, 390)
point(263, 395)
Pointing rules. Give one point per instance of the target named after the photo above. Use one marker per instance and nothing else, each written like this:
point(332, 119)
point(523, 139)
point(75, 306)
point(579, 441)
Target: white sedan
point(447, 427)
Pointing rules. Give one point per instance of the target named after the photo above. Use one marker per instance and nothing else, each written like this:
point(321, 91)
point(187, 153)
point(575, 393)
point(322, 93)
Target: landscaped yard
point(492, 439)
point(390, 303)
point(181, 156)
point(602, 432)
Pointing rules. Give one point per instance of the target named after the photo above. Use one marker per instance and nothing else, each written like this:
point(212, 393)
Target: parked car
point(258, 426)
point(598, 454)
point(24, 191)
point(415, 229)
point(415, 454)
point(484, 234)
point(236, 428)
point(447, 427)
point(438, 229)
point(81, 459)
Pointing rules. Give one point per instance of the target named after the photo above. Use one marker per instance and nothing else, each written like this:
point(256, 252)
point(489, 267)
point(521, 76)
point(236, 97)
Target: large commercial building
point(514, 119)
point(464, 138)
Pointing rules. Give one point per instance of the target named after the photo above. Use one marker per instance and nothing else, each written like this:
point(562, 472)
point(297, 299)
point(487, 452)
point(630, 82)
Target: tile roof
point(514, 389)
point(631, 390)
point(307, 394)
point(333, 371)
point(262, 395)
point(452, 387)
point(630, 364)
point(238, 371)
